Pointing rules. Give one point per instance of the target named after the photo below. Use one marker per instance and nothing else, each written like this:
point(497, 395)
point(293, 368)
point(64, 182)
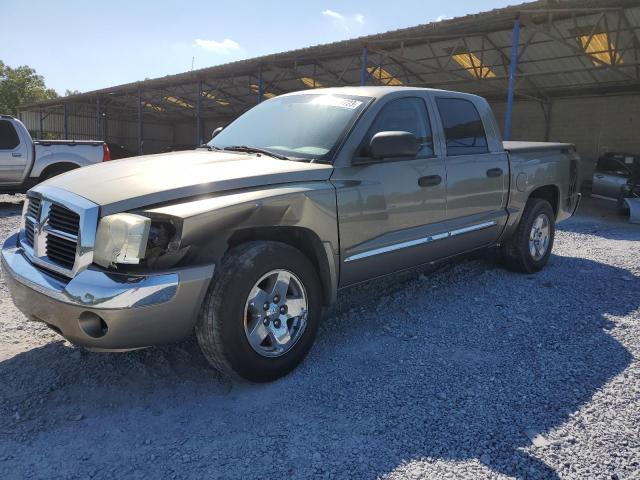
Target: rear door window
point(463, 128)
point(8, 136)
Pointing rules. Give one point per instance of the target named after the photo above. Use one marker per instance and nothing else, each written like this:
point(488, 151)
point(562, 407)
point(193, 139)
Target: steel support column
point(198, 121)
point(364, 74)
point(548, 112)
point(66, 121)
point(140, 149)
point(513, 65)
point(97, 117)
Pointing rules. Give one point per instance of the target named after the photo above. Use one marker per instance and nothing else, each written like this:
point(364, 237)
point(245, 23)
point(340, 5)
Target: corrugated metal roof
point(552, 62)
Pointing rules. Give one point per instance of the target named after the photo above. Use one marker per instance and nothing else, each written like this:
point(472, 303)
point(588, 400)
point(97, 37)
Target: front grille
point(62, 235)
point(33, 212)
point(61, 250)
point(63, 219)
point(52, 236)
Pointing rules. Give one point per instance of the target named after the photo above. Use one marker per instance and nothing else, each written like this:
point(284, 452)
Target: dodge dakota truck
point(25, 162)
point(245, 240)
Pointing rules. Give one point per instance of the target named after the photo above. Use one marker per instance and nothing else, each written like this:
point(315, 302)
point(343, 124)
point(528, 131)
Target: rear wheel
point(262, 311)
point(529, 249)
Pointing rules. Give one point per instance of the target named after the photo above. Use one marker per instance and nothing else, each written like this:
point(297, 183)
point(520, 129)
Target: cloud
point(442, 17)
point(225, 46)
point(344, 22)
point(332, 14)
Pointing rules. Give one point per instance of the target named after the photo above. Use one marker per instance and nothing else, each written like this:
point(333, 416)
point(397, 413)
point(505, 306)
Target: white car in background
point(25, 162)
point(617, 178)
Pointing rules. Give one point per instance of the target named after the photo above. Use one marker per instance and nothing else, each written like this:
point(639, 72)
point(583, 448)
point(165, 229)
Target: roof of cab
point(369, 91)
point(374, 92)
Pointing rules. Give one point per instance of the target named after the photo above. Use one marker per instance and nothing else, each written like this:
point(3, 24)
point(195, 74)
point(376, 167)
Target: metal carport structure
point(538, 53)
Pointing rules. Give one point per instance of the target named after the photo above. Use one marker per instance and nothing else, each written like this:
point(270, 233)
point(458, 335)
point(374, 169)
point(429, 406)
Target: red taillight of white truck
point(106, 154)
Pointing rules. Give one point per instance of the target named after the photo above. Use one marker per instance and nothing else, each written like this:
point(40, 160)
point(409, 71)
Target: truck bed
point(520, 147)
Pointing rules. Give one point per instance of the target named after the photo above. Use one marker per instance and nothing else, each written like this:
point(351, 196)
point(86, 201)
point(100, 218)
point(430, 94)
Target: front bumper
point(106, 311)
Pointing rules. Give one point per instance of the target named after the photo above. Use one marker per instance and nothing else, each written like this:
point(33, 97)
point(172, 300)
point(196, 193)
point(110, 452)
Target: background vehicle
point(245, 240)
point(25, 162)
point(617, 177)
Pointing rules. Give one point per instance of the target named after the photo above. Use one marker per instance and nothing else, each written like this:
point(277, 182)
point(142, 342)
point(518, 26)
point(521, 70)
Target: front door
point(611, 175)
point(388, 210)
point(13, 154)
point(477, 179)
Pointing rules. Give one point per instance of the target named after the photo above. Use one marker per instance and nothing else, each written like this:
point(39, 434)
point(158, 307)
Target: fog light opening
point(92, 325)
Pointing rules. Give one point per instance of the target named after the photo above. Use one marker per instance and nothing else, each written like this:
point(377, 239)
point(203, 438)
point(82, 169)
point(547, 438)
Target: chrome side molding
point(420, 241)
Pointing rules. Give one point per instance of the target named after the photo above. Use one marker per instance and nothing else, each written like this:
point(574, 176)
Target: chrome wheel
point(539, 237)
point(275, 313)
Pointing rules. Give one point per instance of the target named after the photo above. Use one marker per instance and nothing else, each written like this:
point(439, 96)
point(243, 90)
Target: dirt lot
point(469, 372)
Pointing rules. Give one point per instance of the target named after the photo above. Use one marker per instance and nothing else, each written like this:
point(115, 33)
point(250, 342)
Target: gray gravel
point(468, 372)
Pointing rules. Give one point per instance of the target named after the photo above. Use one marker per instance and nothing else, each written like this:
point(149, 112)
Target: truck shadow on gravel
point(469, 363)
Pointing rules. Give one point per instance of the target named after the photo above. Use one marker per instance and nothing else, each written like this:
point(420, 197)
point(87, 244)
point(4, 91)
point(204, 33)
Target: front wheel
point(262, 311)
point(529, 249)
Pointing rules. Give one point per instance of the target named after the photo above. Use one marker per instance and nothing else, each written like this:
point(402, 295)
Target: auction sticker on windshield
point(333, 101)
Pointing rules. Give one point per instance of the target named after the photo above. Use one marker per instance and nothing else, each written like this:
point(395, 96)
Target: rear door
point(477, 177)
point(611, 174)
point(13, 154)
point(389, 210)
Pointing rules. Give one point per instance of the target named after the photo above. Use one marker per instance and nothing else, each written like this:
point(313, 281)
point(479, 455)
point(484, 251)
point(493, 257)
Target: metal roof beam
point(558, 36)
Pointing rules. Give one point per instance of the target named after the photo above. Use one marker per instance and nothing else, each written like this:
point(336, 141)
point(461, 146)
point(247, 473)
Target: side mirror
point(393, 144)
point(216, 132)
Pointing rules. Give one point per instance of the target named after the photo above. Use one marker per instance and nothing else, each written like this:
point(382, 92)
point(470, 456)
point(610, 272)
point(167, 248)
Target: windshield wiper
point(208, 147)
point(247, 149)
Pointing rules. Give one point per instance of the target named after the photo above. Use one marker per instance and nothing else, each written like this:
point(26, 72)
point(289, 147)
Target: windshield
point(305, 126)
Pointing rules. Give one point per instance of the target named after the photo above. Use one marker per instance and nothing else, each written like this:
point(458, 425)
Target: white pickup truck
point(25, 162)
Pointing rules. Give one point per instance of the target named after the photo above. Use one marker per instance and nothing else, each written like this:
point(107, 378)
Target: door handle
point(430, 181)
point(16, 154)
point(494, 172)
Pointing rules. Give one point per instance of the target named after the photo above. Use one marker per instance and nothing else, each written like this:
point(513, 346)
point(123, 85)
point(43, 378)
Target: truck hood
point(137, 182)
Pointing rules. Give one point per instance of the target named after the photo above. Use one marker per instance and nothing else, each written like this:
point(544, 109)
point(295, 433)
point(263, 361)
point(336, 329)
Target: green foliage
point(21, 85)
point(68, 92)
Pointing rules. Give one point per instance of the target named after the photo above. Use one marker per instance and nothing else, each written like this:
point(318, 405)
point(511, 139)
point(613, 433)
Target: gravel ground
point(469, 372)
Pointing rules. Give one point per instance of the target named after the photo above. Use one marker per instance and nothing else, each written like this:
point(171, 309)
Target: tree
point(68, 92)
point(21, 85)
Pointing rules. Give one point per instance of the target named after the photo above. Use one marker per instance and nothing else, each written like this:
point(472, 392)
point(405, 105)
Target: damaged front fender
point(303, 215)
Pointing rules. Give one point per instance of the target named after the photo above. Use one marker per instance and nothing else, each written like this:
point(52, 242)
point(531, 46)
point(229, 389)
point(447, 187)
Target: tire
point(226, 316)
point(621, 205)
point(516, 252)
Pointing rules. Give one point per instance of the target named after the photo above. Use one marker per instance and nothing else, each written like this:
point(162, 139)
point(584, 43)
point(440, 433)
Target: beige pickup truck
point(245, 240)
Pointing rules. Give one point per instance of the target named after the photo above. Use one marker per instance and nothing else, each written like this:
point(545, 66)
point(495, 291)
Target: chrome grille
point(64, 220)
point(31, 217)
point(62, 227)
point(58, 230)
point(60, 250)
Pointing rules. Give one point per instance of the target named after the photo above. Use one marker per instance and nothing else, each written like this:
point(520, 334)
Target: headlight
point(121, 238)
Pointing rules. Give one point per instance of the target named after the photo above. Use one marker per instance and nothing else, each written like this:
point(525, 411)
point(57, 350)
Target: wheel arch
point(550, 193)
point(58, 168)
point(303, 239)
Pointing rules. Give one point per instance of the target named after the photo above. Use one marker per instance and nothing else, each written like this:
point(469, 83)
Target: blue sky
point(91, 44)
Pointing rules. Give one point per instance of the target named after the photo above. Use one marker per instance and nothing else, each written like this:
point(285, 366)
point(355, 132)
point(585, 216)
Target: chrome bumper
point(107, 311)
